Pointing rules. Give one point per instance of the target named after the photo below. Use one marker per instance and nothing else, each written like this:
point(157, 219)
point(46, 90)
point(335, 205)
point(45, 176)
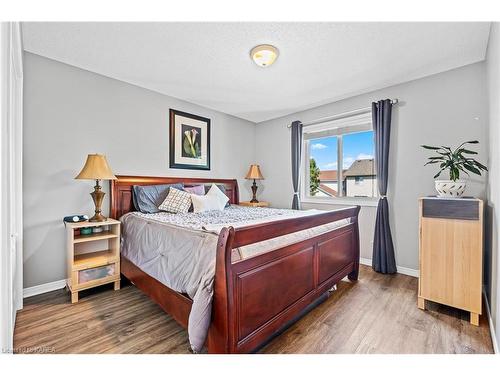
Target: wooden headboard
point(121, 190)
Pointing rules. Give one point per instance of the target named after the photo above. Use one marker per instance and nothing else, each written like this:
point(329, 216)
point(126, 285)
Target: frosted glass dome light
point(264, 55)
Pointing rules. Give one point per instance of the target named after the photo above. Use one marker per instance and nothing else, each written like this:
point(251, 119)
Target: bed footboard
point(256, 297)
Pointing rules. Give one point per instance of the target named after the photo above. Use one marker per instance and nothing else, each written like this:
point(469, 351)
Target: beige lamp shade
point(254, 173)
point(96, 168)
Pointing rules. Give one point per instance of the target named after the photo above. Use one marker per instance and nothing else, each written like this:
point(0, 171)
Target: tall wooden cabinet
point(451, 253)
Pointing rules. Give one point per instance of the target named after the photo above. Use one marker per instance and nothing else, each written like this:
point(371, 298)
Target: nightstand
point(251, 204)
point(93, 259)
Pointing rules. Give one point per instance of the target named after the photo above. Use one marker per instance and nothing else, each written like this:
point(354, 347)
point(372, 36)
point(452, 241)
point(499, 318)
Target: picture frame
point(189, 141)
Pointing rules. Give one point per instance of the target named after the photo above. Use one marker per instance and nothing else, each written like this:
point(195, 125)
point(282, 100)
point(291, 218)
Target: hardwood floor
point(378, 314)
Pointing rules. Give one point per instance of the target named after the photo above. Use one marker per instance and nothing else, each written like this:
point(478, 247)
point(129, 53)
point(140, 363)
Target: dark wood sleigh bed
point(256, 297)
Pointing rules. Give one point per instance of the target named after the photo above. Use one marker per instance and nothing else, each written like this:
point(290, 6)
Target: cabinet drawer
point(95, 273)
point(450, 209)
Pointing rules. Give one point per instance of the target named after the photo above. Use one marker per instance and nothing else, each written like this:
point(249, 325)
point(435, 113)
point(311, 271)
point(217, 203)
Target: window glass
point(340, 159)
point(358, 157)
point(323, 167)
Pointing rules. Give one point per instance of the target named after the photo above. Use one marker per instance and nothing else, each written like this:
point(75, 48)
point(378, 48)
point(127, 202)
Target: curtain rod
point(341, 115)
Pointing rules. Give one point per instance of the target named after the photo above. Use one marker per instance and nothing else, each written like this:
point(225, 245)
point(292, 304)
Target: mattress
point(179, 250)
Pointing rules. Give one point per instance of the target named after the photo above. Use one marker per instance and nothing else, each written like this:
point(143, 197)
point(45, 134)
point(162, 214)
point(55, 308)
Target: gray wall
point(492, 260)
point(71, 112)
point(445, 108)
point(68, 113)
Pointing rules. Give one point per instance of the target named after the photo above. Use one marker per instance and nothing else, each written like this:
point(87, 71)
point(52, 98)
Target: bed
point(254, 294)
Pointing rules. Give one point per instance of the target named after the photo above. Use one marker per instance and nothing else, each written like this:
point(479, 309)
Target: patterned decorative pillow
point(177, 201)
point(147, 198)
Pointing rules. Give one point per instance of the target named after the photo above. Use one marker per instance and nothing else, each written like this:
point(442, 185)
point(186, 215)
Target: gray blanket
point(183, 259)
point(176, 250)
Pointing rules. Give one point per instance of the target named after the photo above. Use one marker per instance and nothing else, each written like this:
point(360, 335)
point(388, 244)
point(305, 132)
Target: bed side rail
point(266, 231)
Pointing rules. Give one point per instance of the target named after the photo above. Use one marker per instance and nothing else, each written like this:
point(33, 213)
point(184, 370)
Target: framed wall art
point(189, 141)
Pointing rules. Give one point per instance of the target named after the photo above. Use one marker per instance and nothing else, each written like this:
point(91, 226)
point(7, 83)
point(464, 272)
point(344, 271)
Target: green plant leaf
point(480, 166)
point(472, 169)
point(431, 162)
point(465, 151)
point(467, 142)
point(454, 173)
point(431, 147)
point(455, 161)
point(462, 169)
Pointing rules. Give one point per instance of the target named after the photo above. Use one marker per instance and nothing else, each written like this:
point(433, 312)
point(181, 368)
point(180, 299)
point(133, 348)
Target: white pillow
point(221, 197)
point(177, 201)
point(214, 200)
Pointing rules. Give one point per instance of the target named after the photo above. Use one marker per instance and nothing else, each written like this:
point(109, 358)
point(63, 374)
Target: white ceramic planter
point(449, 188)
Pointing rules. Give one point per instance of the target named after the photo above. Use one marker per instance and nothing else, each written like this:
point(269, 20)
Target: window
point(339, 158)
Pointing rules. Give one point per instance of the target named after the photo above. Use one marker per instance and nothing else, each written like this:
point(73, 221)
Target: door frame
point(11, 208)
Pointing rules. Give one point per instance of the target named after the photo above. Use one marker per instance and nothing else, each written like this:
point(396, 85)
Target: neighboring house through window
point(358, 179)
point(341, 152)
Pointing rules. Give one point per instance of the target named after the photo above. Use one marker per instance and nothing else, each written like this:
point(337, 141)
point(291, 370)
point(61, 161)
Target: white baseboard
point(43, 288)
point(408, 271)
point(492, 327)
point(401, 270)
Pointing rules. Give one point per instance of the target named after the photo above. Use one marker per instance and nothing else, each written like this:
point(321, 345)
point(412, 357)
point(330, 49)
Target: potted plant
point(455, 162)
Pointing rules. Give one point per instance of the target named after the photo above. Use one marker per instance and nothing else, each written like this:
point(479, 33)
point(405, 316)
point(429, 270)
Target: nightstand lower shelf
point(94, 259)
point(91, 284)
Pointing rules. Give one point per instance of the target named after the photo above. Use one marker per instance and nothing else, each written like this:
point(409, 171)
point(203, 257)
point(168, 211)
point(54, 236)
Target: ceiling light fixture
point(264, 55)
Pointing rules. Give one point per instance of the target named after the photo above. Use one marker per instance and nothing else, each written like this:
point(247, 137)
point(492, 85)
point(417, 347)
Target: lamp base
point(98, 217)
point(97, 196)
point(254, 191)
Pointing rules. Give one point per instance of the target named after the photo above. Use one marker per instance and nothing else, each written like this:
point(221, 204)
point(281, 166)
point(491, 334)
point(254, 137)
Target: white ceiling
point(209, 64)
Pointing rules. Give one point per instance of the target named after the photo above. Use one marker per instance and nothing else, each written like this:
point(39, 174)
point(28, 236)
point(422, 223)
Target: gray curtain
point(383, 259)
point(296, 159)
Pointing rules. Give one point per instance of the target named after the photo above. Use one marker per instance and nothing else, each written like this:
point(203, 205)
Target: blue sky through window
point(355, 146)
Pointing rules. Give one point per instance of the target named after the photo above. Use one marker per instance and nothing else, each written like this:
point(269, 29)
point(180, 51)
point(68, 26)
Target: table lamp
point(254, 174)
point(96, 168)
